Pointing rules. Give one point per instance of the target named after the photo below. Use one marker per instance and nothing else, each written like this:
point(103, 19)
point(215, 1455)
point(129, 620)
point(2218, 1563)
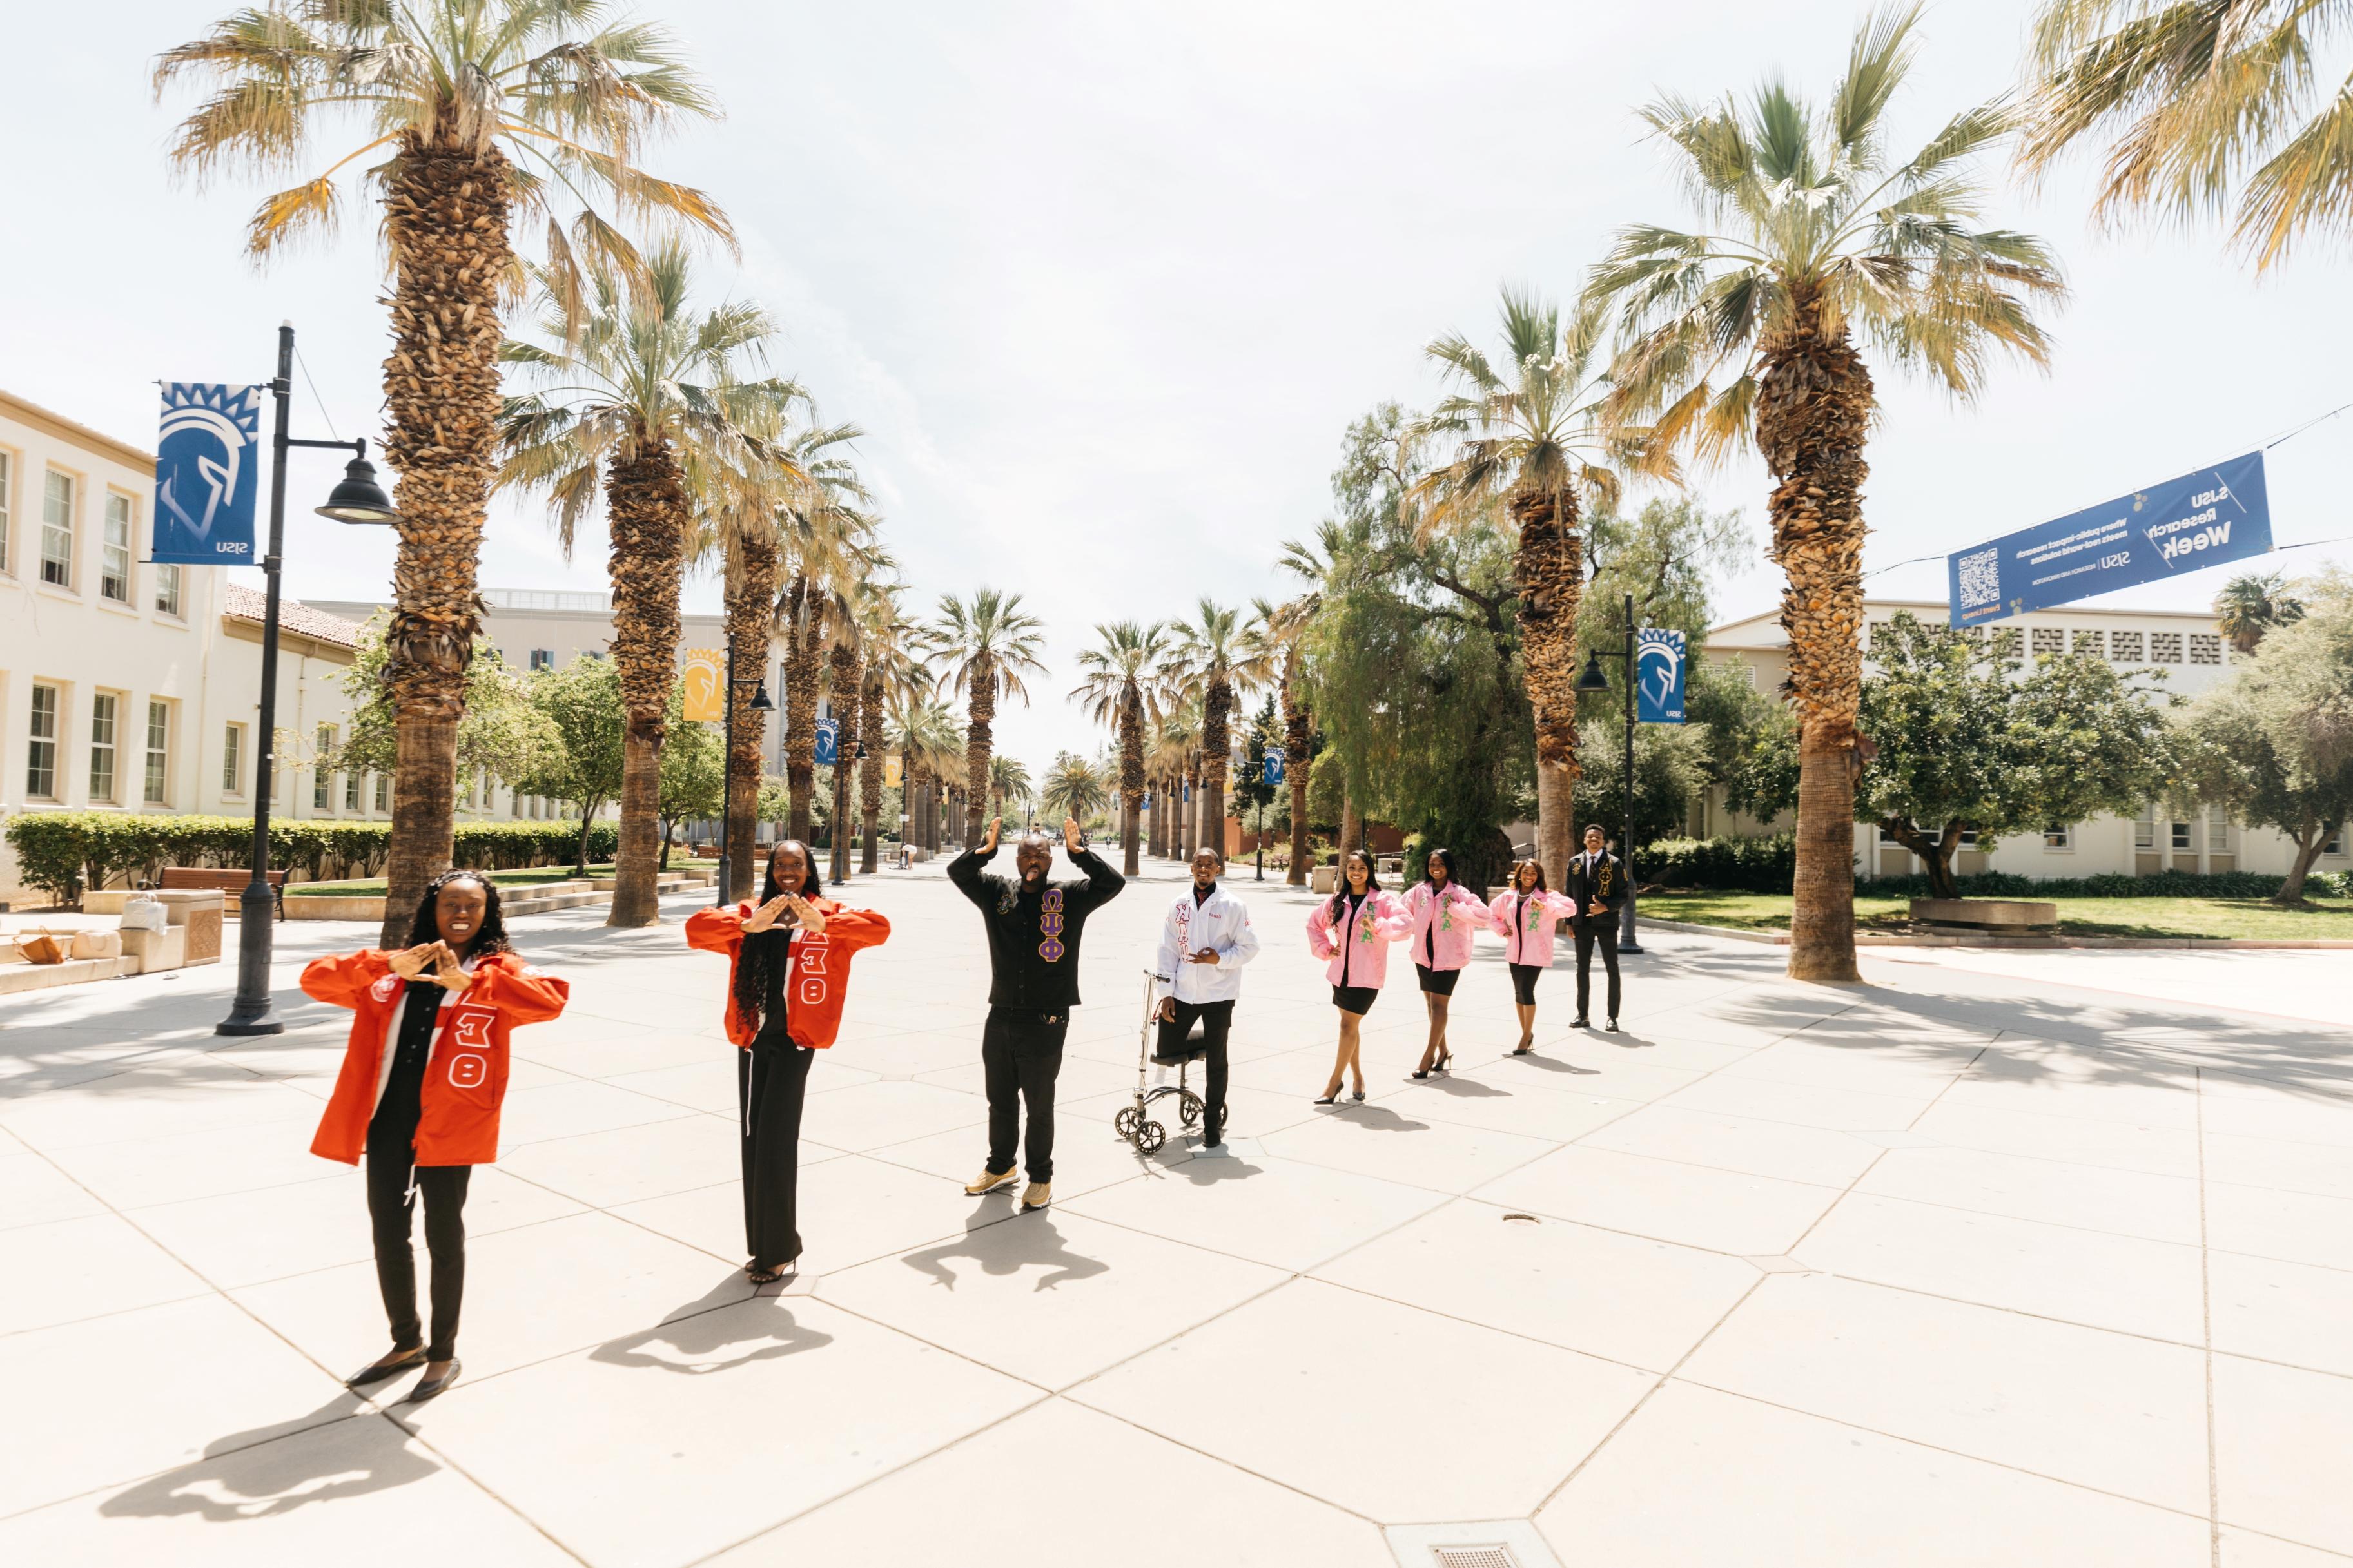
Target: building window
point(2145, 829)
point(41, 763)
point(2335, 843)
point(2165, 647)
point(56, 530)
point(7, 472)
point(2205, 647)
point(322, 780)
point(352, 790)
point(384, 792)
point(2091, 641)
point(515, 805)
point(2059, 836)
point(543, 658)
point(2048, 640)
point(105, 707)
point(2182, 840)
point(2124, 647)
point(154, 788)
point(233, 760)
point(2218, 835)
point(114, 551)
point(167, 589)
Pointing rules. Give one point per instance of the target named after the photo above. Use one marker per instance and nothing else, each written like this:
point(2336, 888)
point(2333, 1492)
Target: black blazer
point(1605, 885)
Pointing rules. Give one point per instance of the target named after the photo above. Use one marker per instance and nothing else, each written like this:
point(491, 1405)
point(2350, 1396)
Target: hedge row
point(63, 852)
point(2163, 885)
point(1730, 865)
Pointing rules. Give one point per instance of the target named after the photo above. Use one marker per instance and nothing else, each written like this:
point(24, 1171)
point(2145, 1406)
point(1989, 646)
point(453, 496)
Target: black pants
point(393, 1186)
point(1217, 1020)
point(1608, 935)
point(1021, 1054)
point(772, 1082)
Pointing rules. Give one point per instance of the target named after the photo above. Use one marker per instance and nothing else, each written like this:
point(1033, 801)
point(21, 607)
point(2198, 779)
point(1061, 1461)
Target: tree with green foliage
point(1671, 766)
point(693, 771)
point(1076, 788)
point(502, 733)
point(1964, 738)
point(581, 703)
point(2253, 603)
point(2275, 744)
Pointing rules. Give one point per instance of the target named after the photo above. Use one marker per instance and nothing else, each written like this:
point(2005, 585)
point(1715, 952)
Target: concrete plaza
point(2015, 1258)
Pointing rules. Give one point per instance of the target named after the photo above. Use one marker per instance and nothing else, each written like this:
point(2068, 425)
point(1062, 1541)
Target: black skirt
point(1356, 999)
point(1524, 983)
point(1438, 982)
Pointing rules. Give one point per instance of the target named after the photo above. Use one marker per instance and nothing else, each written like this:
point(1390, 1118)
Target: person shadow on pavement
point(1007, 1248)
point(323, 1457)
point(701, 1334)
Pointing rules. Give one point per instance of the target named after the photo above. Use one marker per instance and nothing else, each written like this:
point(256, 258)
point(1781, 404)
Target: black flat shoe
point(434, 1387)
point(384, 1369)
point(1580, 1022)
point(1613, 1026)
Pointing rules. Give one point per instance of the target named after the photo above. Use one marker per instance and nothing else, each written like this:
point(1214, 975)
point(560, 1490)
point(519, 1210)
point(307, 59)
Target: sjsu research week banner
point(2202, 518)
point(207, 468)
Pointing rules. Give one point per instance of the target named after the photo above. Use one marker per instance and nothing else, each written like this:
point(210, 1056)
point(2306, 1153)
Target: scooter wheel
point(1125, 1122)
point(1149, 1137)
point(1190, 1111)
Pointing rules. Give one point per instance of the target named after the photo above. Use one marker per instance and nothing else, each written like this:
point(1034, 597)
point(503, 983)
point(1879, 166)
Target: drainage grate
point(1493, 1555)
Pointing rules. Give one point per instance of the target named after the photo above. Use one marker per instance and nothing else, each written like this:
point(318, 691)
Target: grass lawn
point(372, 886)
point(2325, 919)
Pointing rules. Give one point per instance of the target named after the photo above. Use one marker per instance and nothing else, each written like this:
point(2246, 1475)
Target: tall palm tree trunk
point(1352, 825)
point(1130, 776)
point(751, 614)
point(1547, 568)
point(849, 704)
point(870, 772)
point(446, 214)
point(647, 510)
point(1191, 840)
point(803, 648)
point(1813, 413)
point(1297, 733)
point(980, 719)
point(1216, 711)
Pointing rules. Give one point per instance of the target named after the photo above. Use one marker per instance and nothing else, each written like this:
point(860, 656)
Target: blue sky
point(1104, 284)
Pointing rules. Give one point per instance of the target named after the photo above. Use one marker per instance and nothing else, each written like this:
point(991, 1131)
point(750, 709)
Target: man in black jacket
point(1597, 883)
point(1034, 927)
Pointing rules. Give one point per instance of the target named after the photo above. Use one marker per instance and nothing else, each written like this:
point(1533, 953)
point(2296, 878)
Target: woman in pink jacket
point(1354, 930)
point(1526, 915)
point(1446, 915)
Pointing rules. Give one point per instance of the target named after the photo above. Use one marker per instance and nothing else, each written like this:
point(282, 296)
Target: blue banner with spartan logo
point(1658, 676)
point(2201, 519)
point(208, 465)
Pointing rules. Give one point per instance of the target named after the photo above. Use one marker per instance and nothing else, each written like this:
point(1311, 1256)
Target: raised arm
point(1103, 883)
point(715, 931)
point(525, 994)
point(853, 928)
point(1319, 931)
point(966, 871)
point(341, 982)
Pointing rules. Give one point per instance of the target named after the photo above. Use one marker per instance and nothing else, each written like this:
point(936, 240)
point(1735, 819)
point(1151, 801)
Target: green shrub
point(1767, 865)
point(63, 852)
point(2163, 885)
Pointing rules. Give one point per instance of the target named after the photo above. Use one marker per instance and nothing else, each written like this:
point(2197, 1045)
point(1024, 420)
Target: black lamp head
point(760, 703)
point(359, 499)
point(1592, 679)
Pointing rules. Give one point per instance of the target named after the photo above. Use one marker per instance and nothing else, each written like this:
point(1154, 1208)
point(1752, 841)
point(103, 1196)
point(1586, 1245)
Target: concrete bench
point(192, 877)
point(1988, 914)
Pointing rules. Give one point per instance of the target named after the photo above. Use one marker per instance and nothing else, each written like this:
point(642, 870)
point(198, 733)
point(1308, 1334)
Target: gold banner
point(891, 772)
point(706, 673)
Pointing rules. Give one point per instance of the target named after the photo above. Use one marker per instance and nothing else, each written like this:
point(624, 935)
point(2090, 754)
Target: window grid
point(2205, 647)
point(322, 781)
point(104, 707)
point(56, 530)
point(2218, 835)
point(2124, 647)
point(384, 792)
point(7, 472)
point(2181, 838)
point(2048, 640)
point(2059, 836)
point(2145, 829)
point(114, 551)
point(352, 790)
point(167, 589)
point(233, 760)
point(41, 764)
point(152, 790)
point(543, 658)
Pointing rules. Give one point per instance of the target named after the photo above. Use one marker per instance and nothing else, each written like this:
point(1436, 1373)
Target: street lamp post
point(357, 499)
point(760, 704)
point(1594, 680)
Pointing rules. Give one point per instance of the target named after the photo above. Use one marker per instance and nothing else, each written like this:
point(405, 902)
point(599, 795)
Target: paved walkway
point(1961, 1267)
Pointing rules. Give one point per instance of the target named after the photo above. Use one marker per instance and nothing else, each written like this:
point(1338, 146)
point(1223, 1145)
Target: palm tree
point(1747, 334)
point(1223, 657)
point(1008, 784)
point(893, 676)
point(1175, 733)
point(1288, 624)
point(830, 549)
point(849, 696)
point(983, 648)
point(485, 113)
point(933, 747)
point(643, 400)
point(1074, 788)
point(2252, 604)
point(1529, 436)
point(1118, 690)
point(2207, 105)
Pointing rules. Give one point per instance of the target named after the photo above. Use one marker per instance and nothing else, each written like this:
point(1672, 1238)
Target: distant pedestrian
point(1204, 942)
point(1526, 915)
point(424, 1073)
point(1033, 958)
point(1596, 885)
point(1353, 929)
point(788, 976)
point(1446, 916)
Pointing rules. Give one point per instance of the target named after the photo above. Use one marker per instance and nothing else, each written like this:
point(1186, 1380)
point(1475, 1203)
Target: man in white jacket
point(1204, 943)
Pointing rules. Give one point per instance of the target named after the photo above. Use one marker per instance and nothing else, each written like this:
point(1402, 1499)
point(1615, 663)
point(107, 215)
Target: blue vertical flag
point(1273, 767)
point(828, 742)
point(208, 463)
point(1658, 676)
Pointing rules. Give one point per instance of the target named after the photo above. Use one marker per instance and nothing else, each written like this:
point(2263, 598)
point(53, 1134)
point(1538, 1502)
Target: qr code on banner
point(1982, 578)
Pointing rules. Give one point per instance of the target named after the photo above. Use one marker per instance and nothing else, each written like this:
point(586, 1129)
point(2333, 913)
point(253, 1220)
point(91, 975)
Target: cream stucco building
point(2188, 647)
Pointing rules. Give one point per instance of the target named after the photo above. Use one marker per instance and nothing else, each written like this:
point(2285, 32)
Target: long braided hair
point(766, 953)
point(1337, 909)
point(426, 927)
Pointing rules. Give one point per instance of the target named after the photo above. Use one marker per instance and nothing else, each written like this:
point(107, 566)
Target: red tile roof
point(243, 604)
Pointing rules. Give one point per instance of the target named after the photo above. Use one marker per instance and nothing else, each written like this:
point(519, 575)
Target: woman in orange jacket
point(789, 973)
point(424, 1073)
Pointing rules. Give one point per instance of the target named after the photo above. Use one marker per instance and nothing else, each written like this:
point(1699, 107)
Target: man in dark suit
point(1597, 882)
